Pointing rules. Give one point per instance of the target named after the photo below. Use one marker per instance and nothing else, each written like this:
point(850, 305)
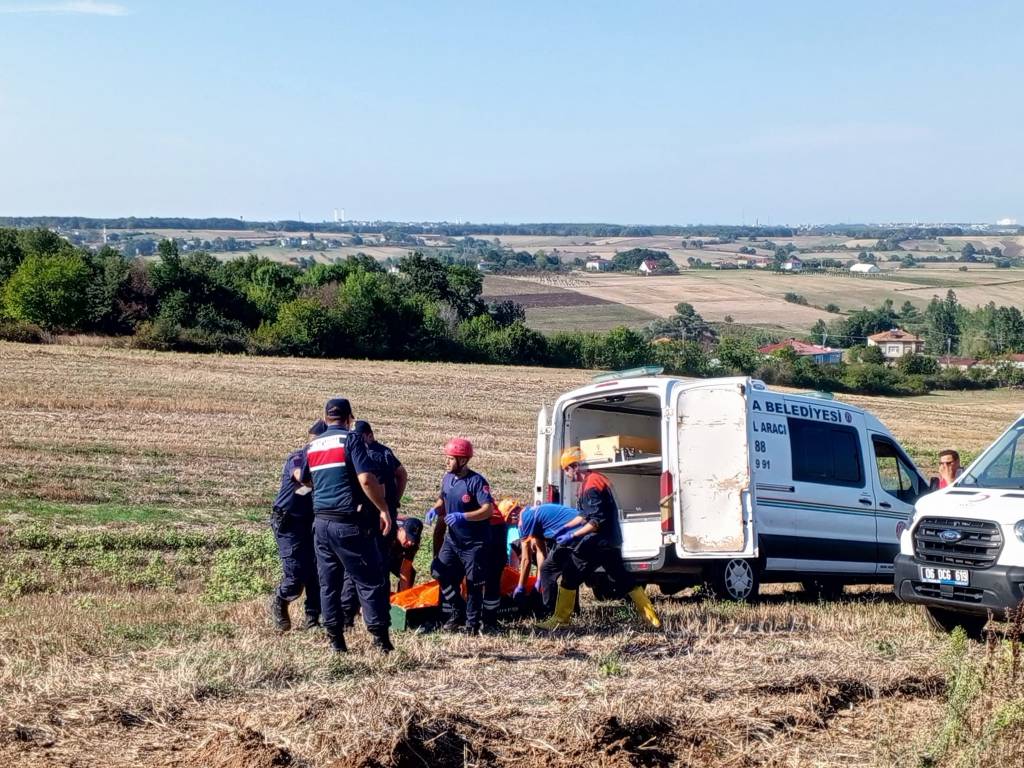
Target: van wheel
point(823, 589)
point(734, 580)
point(945, 620)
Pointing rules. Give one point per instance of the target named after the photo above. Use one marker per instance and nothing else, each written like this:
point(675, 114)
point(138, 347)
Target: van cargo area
point(620, 436)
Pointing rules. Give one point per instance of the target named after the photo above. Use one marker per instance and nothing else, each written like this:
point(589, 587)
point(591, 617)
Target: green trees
point(49, 290)
point(630, 261)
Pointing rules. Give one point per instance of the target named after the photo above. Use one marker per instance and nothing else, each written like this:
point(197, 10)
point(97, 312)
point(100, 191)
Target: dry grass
point(121, 659)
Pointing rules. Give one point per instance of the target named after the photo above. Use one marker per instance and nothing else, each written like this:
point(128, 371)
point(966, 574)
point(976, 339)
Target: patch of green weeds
point(247, 568)
point(611, 665)
point(38, 536)
point(134, 568)
point(15, 583)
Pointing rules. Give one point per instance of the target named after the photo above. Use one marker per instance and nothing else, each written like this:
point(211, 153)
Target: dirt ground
point(125, 477)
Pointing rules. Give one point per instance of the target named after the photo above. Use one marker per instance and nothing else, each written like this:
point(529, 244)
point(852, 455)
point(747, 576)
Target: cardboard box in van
point(618, 447)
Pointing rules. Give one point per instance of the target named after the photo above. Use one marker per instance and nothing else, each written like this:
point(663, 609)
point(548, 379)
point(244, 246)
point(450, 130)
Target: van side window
point(894, 475)
point(825, 453)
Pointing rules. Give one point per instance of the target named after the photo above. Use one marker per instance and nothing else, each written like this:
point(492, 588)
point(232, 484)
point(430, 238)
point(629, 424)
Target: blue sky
point(645, 112)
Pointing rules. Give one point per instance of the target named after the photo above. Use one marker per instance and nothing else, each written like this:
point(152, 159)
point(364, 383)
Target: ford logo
point(950, 536)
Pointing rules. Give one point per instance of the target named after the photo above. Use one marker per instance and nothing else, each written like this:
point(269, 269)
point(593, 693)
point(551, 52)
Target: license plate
point(954, 577)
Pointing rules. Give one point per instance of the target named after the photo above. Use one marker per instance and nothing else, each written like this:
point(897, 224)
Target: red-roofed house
point(823, 355)
point(962, 363)
point(896, 343)
point(649, 266)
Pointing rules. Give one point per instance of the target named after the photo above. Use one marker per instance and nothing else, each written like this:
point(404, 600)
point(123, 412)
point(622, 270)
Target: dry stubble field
point(133, 494)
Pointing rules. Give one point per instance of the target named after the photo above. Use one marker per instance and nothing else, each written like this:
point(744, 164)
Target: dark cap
point(318, 428)
point(413, 527)
point(362, 428)
point(337, 408)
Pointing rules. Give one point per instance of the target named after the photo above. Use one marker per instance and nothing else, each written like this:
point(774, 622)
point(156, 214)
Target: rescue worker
point(504, 515)
point(292, 523)
point(594, 540)
point(403, 552)
point(393, 477)
point(463, 509)
point(350, 512)
point(539, 526)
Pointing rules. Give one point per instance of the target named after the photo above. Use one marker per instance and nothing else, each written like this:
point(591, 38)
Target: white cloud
point(79, 7)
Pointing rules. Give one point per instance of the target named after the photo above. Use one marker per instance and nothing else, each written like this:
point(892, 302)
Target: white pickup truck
point(963, 554)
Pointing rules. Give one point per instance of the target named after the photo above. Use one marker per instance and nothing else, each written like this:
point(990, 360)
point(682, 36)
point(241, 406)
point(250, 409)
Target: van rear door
point(543, 468)
point(713, 514)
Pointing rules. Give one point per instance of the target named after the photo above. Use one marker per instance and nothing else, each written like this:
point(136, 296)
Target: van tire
point(823, 589)
point(735, 579)
point(945, 620)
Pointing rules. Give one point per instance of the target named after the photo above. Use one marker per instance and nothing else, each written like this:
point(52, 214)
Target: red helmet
point(459, 447)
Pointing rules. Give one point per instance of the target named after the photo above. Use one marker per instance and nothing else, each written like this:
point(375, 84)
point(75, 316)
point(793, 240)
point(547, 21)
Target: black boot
point(312, 621)
point(454, 623)
point(279, 613)
point(337, 638)
point(381, 640)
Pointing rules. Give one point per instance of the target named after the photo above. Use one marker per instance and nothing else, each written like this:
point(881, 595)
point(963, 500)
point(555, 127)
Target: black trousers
point(455, 563)
point(497, 558)
point(348, 549)
point(593, 552)
point(297, 551)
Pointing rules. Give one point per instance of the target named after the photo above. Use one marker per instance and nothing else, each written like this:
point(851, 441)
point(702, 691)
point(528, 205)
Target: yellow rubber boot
point(562, 616)
point(644, 607)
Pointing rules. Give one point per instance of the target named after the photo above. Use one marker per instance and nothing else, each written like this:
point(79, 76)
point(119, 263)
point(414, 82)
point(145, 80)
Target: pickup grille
point(979, 547)
point(960, 594)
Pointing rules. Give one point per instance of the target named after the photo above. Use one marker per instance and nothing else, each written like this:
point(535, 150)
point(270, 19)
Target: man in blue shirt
point(350, 512)
point(292, 523)
point(539, 526)
point(464, 507)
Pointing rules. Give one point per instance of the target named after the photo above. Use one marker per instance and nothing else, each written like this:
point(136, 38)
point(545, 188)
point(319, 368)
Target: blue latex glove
point(518, 593)
point(454, 518)
point(565, 538)
point(431, 516)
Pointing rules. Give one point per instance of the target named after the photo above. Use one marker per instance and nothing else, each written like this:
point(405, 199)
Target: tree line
point(426, 309)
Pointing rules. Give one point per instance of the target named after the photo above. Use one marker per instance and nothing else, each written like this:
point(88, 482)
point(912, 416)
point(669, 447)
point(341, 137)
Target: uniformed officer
point(403, 551)
point(349, 508)
point(393, 477)
point(463, 508)
point(503, 515)
point(594, 540)
point(292, 523)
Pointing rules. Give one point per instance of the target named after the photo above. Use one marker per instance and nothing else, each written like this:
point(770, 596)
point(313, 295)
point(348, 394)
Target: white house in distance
point(793, 265)
point(649, 266)
point(865, 269)
point(598, 264)
point(896, 343)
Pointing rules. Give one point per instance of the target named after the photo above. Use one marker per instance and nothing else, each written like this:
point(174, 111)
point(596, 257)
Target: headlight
point(1019, 530)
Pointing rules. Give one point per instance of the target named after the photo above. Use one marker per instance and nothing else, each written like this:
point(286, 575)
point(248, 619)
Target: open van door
point(713, 513)
point(543, 470)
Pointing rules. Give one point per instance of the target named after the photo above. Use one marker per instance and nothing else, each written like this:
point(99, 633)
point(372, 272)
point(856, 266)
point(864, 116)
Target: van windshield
point(1002, 466)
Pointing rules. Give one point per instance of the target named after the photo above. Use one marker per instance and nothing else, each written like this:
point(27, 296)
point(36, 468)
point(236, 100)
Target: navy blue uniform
point(346, 524)
point(464, 551)
point(603, 547)
point(292, 523)
point(385, 465)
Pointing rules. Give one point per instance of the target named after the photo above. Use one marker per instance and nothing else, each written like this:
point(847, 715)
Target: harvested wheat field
point(135, 565)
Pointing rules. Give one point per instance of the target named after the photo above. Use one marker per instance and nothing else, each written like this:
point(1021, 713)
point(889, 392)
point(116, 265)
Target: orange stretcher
point(421, 604)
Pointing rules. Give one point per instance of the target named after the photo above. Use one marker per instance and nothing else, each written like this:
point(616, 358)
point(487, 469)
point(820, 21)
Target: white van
point(963, 554)
point(748, 485)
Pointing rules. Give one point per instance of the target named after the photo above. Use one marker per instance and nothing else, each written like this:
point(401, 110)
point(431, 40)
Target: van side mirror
point(933, 483)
